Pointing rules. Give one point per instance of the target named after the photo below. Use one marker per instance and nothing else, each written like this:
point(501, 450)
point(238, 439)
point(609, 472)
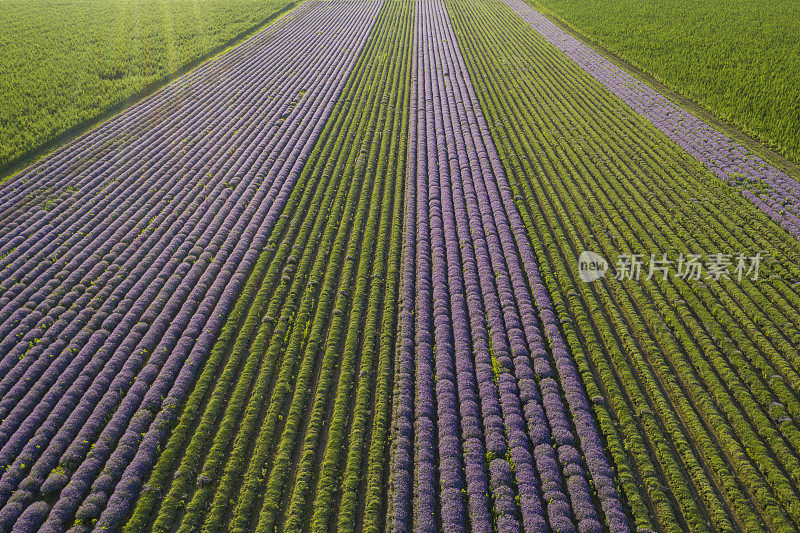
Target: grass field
point(739, 59)
point(65, 63)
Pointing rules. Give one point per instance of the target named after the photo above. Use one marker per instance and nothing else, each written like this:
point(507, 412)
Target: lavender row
point(181, 133)
point(477, 393)
point(589, 442)
point(149, 258)
point(136, 246)
point(190, 163)
point(727, 159)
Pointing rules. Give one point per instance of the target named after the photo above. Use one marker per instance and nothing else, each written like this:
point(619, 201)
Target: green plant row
point(289, 420)
point(694, 383)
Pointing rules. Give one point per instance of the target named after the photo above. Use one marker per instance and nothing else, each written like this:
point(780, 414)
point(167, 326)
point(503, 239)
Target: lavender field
point(334, 279)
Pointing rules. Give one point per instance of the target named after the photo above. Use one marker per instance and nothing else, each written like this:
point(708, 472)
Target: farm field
point(336, 278)
point(289, 421)
point(694, 381)
point(64, 64)
point(131, 251)
point(740, 59)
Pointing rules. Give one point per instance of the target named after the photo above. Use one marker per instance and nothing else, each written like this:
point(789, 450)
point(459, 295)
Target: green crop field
point(740, 59)
point(65, 63)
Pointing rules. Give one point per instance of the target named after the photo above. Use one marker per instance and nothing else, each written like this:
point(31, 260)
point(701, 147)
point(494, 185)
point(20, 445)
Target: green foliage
point(65, 63)
point(740, 59)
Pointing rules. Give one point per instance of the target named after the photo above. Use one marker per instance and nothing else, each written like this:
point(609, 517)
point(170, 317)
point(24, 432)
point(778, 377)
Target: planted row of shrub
point(288, 425)
point(493, 428)
point(694, 382)
point(112, 298)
